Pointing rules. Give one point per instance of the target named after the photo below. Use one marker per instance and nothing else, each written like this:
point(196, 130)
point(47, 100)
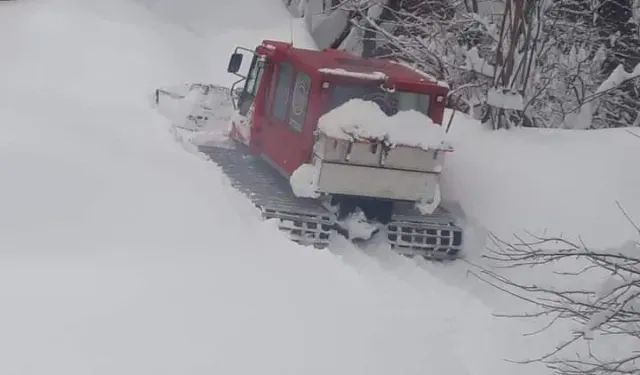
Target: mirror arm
point(233, 89)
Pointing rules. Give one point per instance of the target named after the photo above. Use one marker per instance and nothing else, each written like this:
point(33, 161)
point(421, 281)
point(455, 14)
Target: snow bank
point(550, 183)
point(546, 181)
point(362, 120)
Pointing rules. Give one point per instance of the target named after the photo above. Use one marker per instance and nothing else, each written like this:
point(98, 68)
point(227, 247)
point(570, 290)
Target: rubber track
point(409, 232)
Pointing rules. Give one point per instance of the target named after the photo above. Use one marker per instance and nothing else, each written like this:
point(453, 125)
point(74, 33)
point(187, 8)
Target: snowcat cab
point(324, 142)
point(321, 119)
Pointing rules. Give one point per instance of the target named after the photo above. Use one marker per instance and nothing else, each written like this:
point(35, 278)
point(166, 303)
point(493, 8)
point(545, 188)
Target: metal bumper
point(375, 182)
point(375, 170)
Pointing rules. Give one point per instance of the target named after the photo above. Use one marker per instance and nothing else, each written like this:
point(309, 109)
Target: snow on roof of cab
point(422, 73)
point(376, 76)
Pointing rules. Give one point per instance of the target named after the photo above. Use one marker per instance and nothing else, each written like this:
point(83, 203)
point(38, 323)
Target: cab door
point(285, 118)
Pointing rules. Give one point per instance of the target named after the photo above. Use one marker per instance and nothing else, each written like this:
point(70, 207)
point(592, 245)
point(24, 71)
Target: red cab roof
point(332, 60)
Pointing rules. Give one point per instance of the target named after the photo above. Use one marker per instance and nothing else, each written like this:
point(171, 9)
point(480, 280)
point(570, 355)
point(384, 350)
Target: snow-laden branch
point(603, 317)
point(549, 55)
point(617, 78)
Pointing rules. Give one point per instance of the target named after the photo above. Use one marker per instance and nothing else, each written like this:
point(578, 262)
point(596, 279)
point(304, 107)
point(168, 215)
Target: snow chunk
point(477, 64)
point(242, 126)
point(505, 98)
point(304, 181)
point(243, 123)
point(193, 106)
point(376, 9)
point(357, 225)
point(428, 206)
point(617, 77)
point(376, 76)
point(364, 120)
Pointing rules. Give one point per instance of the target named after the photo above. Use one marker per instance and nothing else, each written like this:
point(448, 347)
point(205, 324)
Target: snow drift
point(546, 181)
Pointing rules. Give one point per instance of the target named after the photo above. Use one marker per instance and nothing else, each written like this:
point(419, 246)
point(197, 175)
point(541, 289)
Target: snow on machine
point(325, 142)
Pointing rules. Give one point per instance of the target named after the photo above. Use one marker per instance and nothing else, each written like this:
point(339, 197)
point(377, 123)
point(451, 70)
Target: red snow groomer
point(328, 142)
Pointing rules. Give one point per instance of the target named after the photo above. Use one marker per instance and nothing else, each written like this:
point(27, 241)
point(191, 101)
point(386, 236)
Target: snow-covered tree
point(515, 62)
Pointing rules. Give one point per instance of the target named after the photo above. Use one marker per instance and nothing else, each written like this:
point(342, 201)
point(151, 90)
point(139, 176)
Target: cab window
point(299, 101)
point(251, 85)
point(284, 78)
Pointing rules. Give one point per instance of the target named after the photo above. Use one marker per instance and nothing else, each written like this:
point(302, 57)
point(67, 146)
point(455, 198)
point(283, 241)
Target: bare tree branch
point(600, 314)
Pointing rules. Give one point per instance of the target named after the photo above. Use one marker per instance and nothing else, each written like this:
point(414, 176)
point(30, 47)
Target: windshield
point(390, 102)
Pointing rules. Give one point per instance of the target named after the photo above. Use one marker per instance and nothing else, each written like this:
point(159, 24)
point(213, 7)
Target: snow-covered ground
point(120, 252)
point(546, 181)
point(220, 27)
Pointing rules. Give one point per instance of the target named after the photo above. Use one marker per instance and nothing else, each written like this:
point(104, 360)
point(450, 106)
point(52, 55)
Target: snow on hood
point(358, 119)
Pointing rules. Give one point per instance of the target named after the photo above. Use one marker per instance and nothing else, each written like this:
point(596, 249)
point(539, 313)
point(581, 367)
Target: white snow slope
point(551, 182)
point(120, 253)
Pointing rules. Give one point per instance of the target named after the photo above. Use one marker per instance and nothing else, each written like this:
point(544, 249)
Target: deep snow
point(546, 181)
point(120, 252)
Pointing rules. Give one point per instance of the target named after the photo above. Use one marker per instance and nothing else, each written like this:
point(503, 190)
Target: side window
point(416, 101)
point(282, 91)
point(255, 73)
point(299, 101)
